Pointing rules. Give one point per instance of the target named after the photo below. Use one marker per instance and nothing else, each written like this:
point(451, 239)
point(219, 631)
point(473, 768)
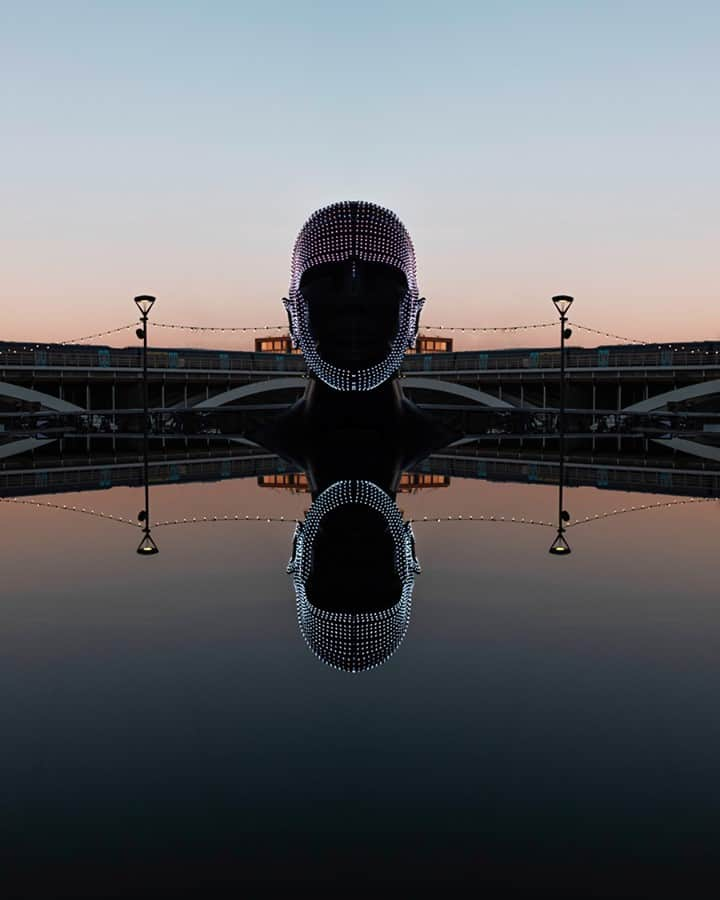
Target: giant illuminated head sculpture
point(353, 566)
point(353, 289)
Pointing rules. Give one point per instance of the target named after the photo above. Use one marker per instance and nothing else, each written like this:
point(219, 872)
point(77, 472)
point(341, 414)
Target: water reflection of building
point(282, 344)
point(73, 473)
point(410, 482)
point(296, 482)
point(416, 481)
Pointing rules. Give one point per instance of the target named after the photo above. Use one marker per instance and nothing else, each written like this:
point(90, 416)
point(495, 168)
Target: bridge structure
point(100, 383)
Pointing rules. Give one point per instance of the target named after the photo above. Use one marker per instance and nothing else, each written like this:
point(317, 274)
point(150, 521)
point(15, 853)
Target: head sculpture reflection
point(353, 565)
point(353, 303)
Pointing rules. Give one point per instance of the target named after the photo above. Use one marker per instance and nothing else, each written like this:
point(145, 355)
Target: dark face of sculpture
point(354, 310)
point(353, 539)
point(353, 565)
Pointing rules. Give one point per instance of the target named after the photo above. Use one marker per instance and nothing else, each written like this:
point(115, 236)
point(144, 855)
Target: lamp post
point(147, 546)
point(560, 546)
point(562, 304)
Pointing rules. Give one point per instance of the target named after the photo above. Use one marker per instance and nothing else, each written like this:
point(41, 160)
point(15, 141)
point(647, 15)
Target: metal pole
point(145, 427)
point(89, 415)
point(147, 545)
point(162, 404)
point(562, 420)
point(560, 547)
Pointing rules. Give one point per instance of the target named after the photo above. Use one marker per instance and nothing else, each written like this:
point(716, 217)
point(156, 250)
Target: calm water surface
point(164, 718)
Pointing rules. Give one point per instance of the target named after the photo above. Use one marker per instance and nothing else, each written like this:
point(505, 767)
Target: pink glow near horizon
point(247, 292)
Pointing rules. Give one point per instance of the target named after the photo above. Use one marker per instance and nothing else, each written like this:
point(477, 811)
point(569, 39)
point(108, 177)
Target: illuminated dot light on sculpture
point(335, 234)
point(353, 642)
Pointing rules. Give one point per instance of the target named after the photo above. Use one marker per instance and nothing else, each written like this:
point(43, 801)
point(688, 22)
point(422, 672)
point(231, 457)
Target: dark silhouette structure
point(353, 560)
point(354, 309)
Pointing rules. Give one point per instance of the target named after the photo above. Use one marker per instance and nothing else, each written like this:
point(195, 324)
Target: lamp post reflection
point(560, 546)
point(147, 546)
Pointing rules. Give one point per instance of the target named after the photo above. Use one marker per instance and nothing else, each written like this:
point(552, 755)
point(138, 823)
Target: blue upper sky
point(531, 149)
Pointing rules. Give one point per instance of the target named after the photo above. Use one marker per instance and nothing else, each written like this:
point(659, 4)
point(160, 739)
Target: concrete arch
point(459, 390)
point(16, 392)
point(465, 440)
point(692, 448)
point(278, 384)
point(684, 393)
point(249, 390)
point(22, 446)
point(245, 442)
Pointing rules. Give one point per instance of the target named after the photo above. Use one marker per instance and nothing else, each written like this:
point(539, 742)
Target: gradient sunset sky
point(530, 148)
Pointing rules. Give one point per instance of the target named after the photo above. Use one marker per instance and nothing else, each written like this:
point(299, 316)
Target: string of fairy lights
point(82, 510)
point(609, 334)
point(643, 506)
point(98, 514)
point(476, 329)
point(89, 337)
point(211, 328)
point(207, 520)
point(521, 520)
point(260, 518)
point(509, 520)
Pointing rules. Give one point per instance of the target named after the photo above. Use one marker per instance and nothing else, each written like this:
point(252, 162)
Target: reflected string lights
point(263, 519)
point(521, 520)
point(63, 507)
point(353, 609)
point(207, 520)
point(510, 520)
point(642, 507)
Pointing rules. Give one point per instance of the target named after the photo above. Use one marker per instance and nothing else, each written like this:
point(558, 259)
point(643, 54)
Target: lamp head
point(147, 546)
point(144, 303)
point(560, 546)
point(562, 303)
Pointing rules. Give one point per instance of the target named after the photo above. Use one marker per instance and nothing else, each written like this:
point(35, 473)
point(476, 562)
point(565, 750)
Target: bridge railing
point(550, 359)
point(630, 475)
point(129, 358)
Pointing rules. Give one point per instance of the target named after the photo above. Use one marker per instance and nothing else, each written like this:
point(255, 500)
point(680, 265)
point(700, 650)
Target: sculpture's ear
point(412, 337)
point(415, 567)
point(294, 562)
point(289, 309)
